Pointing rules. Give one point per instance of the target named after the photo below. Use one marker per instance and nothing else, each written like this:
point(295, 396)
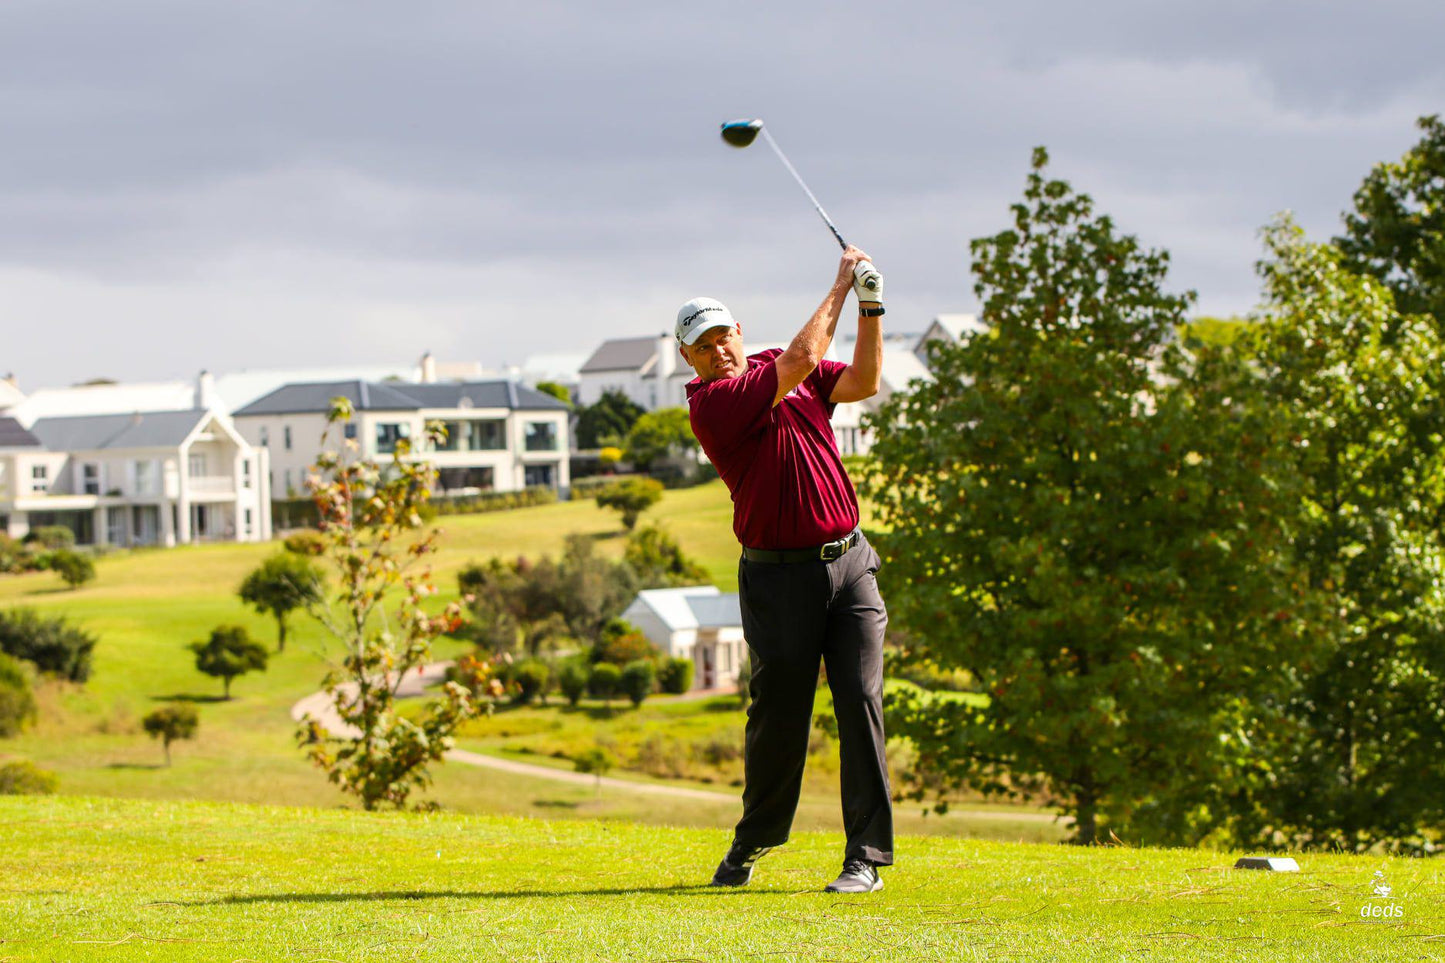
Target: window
point(541, 436)
point(389, 433)
point(248, 521)
point(196, 465)
point(39, 478)
point(350, 429)
point(265, 437)
point(486, 435)
point(288, 482)
point(90, 479)
point(537, 475)
point(146, 478)
point(287, 441)
point(246, 473)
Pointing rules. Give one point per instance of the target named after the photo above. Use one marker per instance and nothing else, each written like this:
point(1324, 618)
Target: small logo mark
point(1381, 906)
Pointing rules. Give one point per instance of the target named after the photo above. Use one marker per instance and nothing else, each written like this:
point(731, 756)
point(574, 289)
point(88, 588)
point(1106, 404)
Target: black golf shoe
point(737, 866)
point(858, 876)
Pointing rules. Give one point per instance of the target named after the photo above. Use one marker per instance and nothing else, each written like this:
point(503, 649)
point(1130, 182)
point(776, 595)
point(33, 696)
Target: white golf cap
point(698, 315)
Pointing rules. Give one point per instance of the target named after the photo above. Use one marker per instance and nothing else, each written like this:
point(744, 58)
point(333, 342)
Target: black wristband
point(871, 312)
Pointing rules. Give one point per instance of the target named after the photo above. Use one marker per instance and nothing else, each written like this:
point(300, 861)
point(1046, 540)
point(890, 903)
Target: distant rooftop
point(401, 396)
point(152, 429)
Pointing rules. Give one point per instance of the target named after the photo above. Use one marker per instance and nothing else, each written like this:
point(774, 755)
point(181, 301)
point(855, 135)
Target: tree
point(73, 567)
point(658, 561)
point(1350, 756)
point(637, 681)
point(1396, 231)
point(631, 497)
point(556, 390)
point(658, 434)
point(49, 642)
point(171, 723)
point(281, 584)
point(531, 677)
point(675, 678)
point(610, 417)
point(370, 516)
point(596, 760)
point(621, 642)
point(17, 699)
point(228, 653)
point(1086, 518)
point(572, 681)
point(603, 681)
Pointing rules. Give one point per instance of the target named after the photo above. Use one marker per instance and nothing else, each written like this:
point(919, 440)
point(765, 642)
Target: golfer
point(807, 575)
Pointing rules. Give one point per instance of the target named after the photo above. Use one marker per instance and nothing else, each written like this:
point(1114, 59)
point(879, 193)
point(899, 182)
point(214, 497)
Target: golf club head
point(741, 133)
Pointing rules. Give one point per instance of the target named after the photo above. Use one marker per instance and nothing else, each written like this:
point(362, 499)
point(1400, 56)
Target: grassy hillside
point(194, 881)
point(146, 605)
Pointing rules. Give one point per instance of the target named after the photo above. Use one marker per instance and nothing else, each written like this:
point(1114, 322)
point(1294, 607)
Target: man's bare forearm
point(811, 343)
point(868, 351)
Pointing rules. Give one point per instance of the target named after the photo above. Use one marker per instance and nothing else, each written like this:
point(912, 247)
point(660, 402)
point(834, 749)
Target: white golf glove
point(867, 282)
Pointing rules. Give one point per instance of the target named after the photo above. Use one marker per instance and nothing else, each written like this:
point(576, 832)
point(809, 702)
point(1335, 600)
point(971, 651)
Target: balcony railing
point(212, 484)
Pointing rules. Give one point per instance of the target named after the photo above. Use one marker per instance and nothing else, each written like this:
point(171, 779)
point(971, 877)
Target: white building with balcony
point(501, 436)
point(145, 478)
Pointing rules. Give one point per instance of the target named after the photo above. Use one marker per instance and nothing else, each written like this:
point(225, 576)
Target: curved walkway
point(319, 707)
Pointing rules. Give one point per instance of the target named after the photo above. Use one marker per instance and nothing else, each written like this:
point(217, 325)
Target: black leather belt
point(823, 553)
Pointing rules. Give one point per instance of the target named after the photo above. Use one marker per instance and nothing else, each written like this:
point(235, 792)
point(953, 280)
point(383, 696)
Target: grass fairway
point(203, 881)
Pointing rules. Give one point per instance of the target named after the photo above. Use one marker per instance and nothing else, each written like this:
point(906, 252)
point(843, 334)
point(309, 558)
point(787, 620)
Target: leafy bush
point(675, 676)
point(48, 642)
point(76, 569)
point(17, 700)
point(637, 680)
point(281, 584)
point(494, 501)
point(604, 680)
point(21, 777)
point(13, 556)
point(597, 760)
point(658, 561)
point(51, 537)
point(305, 542)
point(572, 680)
point(621, 642)
point(631, 497)
point(531, 676)
point(170, 723)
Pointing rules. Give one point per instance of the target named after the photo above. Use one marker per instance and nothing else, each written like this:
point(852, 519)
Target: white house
point(145, 478)
point(501, 436)
point(698, 623)
point(949, 328)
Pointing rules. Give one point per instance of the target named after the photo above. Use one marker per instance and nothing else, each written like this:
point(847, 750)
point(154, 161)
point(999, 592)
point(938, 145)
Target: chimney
point(428, 369)
point(205, 391)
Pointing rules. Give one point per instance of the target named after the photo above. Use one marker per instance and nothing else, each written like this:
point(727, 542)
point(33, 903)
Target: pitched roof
point(151, 429)
point(13, 435)
point(400, 396)
point(621, 354)
point(717, 611)
point(693, 607)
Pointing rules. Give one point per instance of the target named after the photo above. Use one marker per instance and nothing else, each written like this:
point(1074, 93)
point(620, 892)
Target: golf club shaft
point(816, 206)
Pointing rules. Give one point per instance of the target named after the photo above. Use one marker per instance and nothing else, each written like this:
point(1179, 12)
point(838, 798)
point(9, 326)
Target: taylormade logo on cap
point(699, 314)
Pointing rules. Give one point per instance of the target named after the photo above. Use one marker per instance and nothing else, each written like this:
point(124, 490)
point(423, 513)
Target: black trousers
point(795, 614)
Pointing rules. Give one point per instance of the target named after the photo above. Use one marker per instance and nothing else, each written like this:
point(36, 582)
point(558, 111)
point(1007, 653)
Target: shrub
point(621, 642)
point(572, 680)
point(21, 777)
point(305, 542)
point(675, 676)
point(631, 497)
point(493, 501)
point(48, 642)
point(596, 760)
point(479, 676)
point(170, 723)
point(658, 561)
point(229, 652)
point(17, 700)
point(76, 569)
point(637, 680)
point(531, 677)
point(51, 537)
point(13, 557)
point(603, 681)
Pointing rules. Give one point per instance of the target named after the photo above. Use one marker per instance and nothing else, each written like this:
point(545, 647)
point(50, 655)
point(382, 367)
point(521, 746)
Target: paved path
point(321, 708)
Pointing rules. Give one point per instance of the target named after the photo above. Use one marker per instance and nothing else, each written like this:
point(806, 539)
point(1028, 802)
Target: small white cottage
point(698, 623)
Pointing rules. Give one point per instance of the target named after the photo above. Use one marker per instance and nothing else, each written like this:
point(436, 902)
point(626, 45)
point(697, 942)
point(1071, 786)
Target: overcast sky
point(192, 185)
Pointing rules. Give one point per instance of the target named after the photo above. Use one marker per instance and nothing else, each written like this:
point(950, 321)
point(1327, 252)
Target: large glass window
point(389, 433)
point(147, 480)
point(90, 478)
point(537, 475)
point(490, 435)
point(541, 436)
point(39, 478)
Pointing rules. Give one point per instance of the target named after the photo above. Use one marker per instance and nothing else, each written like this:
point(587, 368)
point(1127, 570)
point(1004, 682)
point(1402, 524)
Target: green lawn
point(146, 605)
point(170, 881)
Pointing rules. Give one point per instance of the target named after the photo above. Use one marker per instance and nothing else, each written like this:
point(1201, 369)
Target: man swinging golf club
point(807, 575)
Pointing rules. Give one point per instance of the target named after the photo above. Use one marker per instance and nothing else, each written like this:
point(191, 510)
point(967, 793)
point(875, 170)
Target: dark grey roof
point(716, 611)
point(14, 435)
point(399, 396)
point(621, 354)
point(148, 429)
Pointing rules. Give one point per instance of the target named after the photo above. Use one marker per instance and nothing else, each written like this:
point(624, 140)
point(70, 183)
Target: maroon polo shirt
point(780, 462)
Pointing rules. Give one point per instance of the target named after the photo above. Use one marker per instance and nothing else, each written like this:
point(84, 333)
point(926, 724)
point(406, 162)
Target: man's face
point(717, 353)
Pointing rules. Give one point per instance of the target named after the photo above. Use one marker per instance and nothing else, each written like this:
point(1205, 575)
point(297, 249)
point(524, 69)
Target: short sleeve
point(733, 408)
point(825, 379)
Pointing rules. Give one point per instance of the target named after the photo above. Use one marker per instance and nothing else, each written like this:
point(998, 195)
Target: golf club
point(741, 133)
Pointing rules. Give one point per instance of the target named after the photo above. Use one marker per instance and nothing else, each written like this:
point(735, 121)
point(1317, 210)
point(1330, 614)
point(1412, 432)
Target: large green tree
point(606, 421)
point(1354, 751)
point(659, 434)
point(1083, 516)
point(1396, 231)
point(279, 586)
